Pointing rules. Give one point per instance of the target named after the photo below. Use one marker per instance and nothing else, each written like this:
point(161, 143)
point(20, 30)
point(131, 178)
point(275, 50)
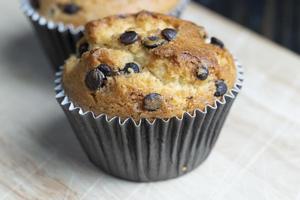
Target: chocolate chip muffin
point(78, 12)
point(147, 94)
point(147, 65)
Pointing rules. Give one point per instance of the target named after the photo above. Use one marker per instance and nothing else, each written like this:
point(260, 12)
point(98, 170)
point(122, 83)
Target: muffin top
point(78, 12)
point(147, 65)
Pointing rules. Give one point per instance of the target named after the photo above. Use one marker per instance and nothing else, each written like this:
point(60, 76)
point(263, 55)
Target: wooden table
point(257, 156)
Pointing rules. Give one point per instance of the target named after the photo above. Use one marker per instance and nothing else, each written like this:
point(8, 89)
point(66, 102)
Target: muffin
point(59, 23)
point(79, 12)
point(147, 94)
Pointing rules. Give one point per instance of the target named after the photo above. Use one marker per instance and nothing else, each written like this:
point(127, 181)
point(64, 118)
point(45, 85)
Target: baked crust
point(169, 70)
point(96, 9)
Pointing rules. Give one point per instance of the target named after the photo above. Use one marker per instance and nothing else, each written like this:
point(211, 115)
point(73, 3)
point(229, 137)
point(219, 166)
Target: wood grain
point(256, 157)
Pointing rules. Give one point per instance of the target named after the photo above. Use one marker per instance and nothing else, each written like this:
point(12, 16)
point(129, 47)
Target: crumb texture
point(147, 65)
point(78, 12)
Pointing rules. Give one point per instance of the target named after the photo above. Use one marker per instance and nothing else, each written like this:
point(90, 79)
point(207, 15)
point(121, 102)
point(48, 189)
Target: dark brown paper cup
point(148, 151)
point(59, 40)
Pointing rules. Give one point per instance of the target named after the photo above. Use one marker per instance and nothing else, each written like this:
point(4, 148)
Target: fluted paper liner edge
point(147, 151)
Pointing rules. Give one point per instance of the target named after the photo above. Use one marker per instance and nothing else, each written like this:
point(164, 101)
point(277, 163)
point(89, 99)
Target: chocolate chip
point(216, 41)
point(202, 72)
point(70, 8)
point(105, 69)
point(153, 42)
point(153, 101)
point(84, 47)
point(94, 79)
point(131, 68)
point(221, 88)
point(52, 11)
point(129, 37)
point(35, 4)
point(169, 34)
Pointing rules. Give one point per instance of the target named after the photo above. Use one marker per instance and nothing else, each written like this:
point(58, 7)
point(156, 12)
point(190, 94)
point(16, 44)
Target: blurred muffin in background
point(59, 23)
point(78, 12)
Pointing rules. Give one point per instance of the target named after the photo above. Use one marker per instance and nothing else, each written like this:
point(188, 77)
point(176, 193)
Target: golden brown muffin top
point(147, 65)
point(78, 12)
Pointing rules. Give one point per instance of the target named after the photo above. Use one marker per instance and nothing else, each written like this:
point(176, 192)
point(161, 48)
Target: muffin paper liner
point(59, 40)
point(147, 151)
point(180, 7)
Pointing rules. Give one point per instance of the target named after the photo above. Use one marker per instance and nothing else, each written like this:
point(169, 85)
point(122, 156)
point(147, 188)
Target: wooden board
point(256, 157)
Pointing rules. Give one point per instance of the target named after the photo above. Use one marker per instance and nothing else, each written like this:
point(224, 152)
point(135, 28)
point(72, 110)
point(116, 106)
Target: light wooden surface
point(257, 156)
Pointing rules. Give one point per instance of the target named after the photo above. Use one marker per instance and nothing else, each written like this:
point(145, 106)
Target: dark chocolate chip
point(202, 72)
point(216, 41)
point(129, 37)
point(105, 69)
point(52, 11)
point(35, 4)
point(153, 101)
point(131, 68)
point(84, 47)
point(221, 88)
point(94, 79)
point(169, 34)
point(70, 8)
point(153, 42)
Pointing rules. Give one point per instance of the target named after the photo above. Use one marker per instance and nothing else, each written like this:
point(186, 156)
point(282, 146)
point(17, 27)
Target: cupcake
point(147, 94)
point(59, 23)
